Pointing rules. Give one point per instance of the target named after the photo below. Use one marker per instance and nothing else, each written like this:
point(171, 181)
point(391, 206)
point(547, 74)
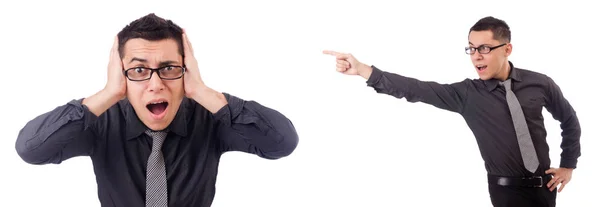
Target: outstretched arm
point(445, 96)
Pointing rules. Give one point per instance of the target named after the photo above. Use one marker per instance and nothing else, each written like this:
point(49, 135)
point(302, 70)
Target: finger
point(115, 59)
point(187, 47)
point(551, 170)
point(341, 69)
point(329, 52)
point(342, 56)
point(115, 48)
point(562, 185)
point(552, 181)
point(189, 42)
point(343, 62)
point(116, 42)
point(559, 182)
point(554, 185)
point(112, 49)
point(341, 66)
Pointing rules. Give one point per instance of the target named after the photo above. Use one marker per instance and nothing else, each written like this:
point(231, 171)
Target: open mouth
point(158, 107)
point(481, 67)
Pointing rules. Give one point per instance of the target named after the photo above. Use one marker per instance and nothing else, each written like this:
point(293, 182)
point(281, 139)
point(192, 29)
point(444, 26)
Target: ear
point(508, 49)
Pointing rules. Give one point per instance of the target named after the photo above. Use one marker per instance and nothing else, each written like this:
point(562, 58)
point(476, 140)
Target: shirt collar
point(135, 127)
point(514, 74)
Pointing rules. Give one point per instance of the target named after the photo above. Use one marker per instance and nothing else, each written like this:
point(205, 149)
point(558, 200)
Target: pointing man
point(503, 108)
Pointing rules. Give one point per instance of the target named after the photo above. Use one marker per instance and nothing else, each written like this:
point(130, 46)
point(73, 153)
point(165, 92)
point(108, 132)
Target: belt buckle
point(536, 178)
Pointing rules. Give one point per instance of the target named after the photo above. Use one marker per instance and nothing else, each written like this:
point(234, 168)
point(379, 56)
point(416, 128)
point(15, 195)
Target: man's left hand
point(561, 175)
point(193, 85)
point(192, 79)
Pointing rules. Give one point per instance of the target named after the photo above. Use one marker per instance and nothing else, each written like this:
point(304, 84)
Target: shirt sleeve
point(451, 97)
point(57, 135)
point(248, 126)
point(563, 112)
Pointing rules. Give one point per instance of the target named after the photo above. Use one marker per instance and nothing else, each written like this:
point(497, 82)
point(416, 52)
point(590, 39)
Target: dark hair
point(152, 28)
point(498, 27)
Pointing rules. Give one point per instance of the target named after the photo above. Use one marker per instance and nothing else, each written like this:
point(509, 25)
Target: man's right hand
point(349, 65)
point(116, 84)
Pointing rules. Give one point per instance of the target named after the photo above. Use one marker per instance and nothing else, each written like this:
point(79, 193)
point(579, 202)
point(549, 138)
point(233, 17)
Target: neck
point(504, 71)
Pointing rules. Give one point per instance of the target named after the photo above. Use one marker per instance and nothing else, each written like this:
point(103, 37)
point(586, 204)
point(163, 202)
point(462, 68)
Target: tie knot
point(158, 138)
point(506, 84)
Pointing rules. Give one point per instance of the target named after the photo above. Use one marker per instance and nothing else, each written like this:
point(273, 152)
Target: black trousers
point(515, 196)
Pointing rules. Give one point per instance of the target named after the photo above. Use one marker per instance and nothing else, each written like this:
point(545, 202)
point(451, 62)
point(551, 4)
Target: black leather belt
point(533, 181)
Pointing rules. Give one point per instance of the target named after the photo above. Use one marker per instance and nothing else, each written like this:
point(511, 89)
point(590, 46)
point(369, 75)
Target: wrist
point(110, 97)
point(365, 71)
point(199, 92)
point(101, 101)
point(113, 94)
point(209, 98)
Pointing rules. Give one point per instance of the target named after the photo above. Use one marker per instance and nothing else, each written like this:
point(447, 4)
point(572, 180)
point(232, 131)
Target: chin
point(156, 126)
point(484, 77)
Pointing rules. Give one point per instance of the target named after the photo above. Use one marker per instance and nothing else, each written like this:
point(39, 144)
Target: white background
point(357, 148)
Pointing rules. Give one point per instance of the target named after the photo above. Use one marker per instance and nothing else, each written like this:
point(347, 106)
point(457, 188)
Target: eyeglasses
point(483, 49)
point(166, 73)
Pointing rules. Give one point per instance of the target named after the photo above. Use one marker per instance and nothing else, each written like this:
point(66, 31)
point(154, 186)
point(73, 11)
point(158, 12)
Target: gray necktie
point(156, 179)
point(524, 138)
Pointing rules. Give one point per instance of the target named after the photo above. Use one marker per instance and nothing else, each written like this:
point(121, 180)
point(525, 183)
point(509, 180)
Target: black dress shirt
point(483, 106)
point(119, 148)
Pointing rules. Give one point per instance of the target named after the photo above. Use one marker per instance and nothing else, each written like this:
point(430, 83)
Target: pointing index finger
point(329, 52)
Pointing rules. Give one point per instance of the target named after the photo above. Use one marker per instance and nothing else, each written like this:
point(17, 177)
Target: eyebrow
point(480, 45)
point(161, 64)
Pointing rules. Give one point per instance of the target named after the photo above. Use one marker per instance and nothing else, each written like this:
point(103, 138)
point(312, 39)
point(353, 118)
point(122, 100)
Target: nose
point(477, 55)
point(155, 84)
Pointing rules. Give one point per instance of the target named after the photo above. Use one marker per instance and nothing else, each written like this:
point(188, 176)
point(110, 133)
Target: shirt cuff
point(232, 109)
point(376, 75)
point(82, 112)
point(568, 163)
